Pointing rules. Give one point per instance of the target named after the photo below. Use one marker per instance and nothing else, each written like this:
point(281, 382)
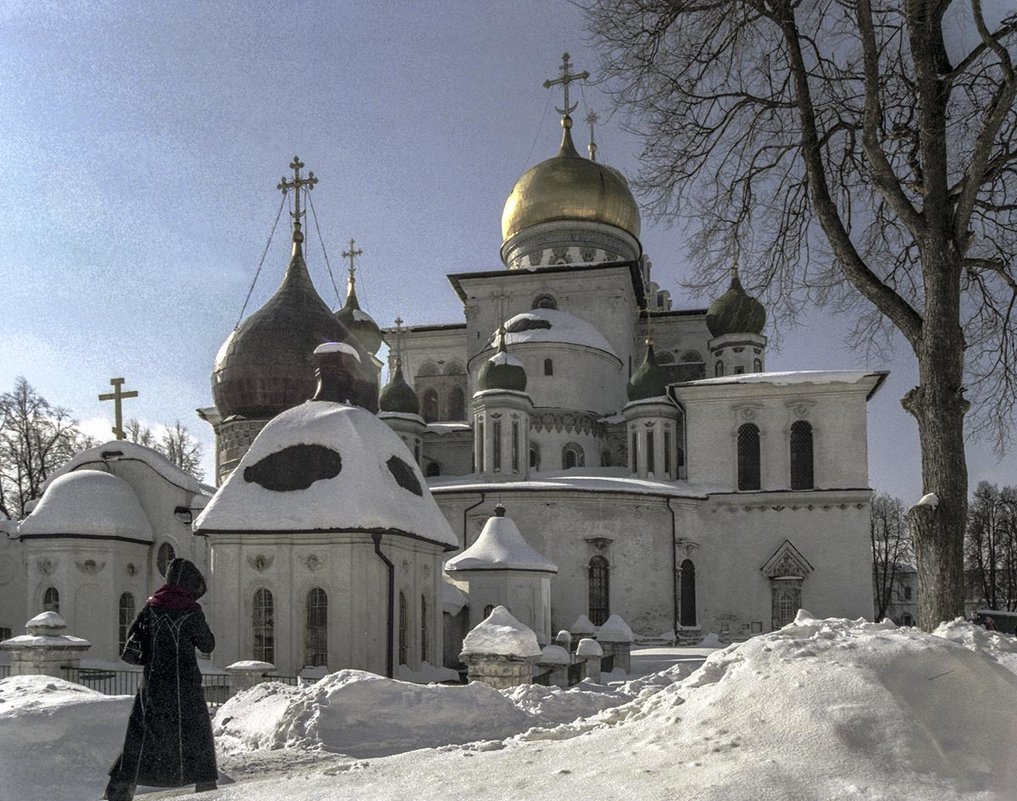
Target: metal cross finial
point(565, 79)
point(296, 185)
point(117, 395)
point(592, 118)
point(351, 254)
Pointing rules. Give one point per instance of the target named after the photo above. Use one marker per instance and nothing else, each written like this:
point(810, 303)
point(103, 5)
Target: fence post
point(45, 650)
point(247, 673)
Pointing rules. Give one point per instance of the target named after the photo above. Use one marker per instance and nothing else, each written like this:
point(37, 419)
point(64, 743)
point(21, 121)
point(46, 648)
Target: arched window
point(748, 457)
point(165, 555)
point(263, 626)
point(718, 370)
point(433, 469)
point(691, 366)
point(454, 368)
point(488, 610)
point(572, 456)
point(429, 405)
point(456, 404)
point(126, 617)
point(906, 620)
point(600, 591)
point(428, 368)
point(51, 600)
point(425, 637)
point(786, 599)
point(404, 633)
point(316, 629)
point(548, 366)
point(687, 594)
point(534, 456)
point(757, 366)
point(801, 455)
point(545, 301)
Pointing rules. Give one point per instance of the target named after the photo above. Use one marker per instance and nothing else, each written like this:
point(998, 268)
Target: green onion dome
point(397, 395)
point(650, 380)
point(735, 312)
point(502, 371)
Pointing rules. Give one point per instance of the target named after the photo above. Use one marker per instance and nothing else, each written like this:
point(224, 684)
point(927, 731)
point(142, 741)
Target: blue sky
point(140, 148)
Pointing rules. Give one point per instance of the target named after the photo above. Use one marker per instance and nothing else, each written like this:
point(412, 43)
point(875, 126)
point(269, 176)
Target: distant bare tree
point(141, 434)
point(35, 439)
point(839, 149)
point(891, 550)
point(991, 546)
point(181, 448)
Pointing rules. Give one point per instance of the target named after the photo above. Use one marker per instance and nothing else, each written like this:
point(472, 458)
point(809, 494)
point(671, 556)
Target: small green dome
point(397, 395)
point(735, 312)
point(650, 380)
point(358, 322)
point(502, 371)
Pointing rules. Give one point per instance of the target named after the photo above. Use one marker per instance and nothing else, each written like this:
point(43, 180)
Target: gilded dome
point(735, 312)
point(570, 187)
point(358, 322)
point(265, 366)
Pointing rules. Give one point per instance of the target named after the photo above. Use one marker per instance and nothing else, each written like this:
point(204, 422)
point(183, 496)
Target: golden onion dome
point(570, 187)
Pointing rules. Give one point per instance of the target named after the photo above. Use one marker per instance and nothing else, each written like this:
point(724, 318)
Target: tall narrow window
point(634, 451)
point(534, 456)
point(667, 453)
point(515, 446)
point(748, 457)
point(801, 455)
point(496, 445)
point(404, 633)
point(600, 591)
point(651, 465)
point(718, 370)
point(316, 629)
point(125, 618)
point(572, 456)
point(786, 598)
point(757, 366)
point(456, 404)
point(429, 404)
point(480, 447)
point(51, 600)
point(687, 594)
point(164, 556)
point(548, 367)
point(263, 626)
point(425, 637)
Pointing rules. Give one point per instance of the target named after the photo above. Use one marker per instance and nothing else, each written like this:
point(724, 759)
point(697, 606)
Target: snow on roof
point(582, 626)
point(500, 546)
point(503, 357)
point(615, 629)
point(119, 449)
point(338, 347)
point(500, 633)
point(453, 599)
point(554, 655)
point(552, 325)
point(370, 490)
point(88, 503)
point(448, 428)
point(587, 479)
point(790, 378)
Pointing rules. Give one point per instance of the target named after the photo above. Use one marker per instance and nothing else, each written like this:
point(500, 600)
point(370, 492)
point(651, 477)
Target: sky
point(140, 149)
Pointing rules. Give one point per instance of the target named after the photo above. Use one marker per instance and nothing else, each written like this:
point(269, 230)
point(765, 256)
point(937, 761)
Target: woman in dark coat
point(169, 735)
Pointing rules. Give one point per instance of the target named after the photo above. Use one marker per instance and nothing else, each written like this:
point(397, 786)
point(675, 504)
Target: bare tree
point(181, 448)
point(850, 158)
point(991, 546)
point(890, 549)
point(141, 434)
point(35, 439)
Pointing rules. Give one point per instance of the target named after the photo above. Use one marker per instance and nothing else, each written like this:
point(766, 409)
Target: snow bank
point(1002, 648)
point(57, 739)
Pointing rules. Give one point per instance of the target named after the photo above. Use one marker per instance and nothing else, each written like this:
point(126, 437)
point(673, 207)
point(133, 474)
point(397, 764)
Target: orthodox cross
point(399, 340)
point(296, 184)
point(592, 118)
point(117, 395)
point(565, 79)
point(351, 254)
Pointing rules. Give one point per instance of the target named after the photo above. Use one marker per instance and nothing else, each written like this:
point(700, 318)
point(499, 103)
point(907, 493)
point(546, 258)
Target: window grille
point(126, 617)
point(425, 639)
point(263, 626)
point(316, 629)
point(403, 630)
point(600, 609)
point(748, 457)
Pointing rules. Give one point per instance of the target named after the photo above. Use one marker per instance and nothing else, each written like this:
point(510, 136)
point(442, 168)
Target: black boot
point(119, 791)
point(204, 787)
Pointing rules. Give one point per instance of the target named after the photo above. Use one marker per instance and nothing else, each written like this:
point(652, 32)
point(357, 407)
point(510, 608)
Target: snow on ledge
point(501, 634)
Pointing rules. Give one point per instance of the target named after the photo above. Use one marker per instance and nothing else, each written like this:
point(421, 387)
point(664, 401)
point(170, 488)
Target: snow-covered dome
point(500, 546)
point(119, 450)
point(325, 466)
point(552, 325)
point(88, 503)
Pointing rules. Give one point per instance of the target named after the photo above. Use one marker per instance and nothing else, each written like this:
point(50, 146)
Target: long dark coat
point(169, 735)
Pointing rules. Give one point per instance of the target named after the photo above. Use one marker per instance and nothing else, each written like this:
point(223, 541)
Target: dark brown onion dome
point(650, 380)
point(358, 322)
point(265, 366)
point(397, 395)
point(502, 371)
point(735, 312)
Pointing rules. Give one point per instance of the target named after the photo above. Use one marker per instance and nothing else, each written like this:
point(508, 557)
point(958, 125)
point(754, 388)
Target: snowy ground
point(823, 709)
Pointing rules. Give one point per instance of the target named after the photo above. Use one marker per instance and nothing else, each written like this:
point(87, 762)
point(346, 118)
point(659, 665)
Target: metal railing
point(216, 686)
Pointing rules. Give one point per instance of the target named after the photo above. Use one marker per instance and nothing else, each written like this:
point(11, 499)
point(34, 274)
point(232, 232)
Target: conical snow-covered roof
point(500, 546)
point(88, 503)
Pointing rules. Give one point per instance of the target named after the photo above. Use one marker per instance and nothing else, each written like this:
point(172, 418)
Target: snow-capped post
point(247, 673)
point(500, 651)
point(45, 650)
point(564, 639)
point(582, 628)
point(590, 651)
point(556, 659)
point(615, 637)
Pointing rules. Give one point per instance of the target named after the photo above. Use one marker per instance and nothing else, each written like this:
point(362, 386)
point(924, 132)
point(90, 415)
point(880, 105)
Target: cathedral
point(642, 454)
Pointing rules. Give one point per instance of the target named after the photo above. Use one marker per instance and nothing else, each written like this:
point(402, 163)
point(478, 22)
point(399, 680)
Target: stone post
point(592, 652)
point(247, 673)
point(564, 639)
point(498, 670)
point(500, 651)
point(615, 637)
point(44, 650)
point(556, 659)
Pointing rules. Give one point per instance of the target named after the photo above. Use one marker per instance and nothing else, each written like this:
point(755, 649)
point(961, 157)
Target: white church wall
point(583, 378)
point(13, 587)
point(551, 442)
